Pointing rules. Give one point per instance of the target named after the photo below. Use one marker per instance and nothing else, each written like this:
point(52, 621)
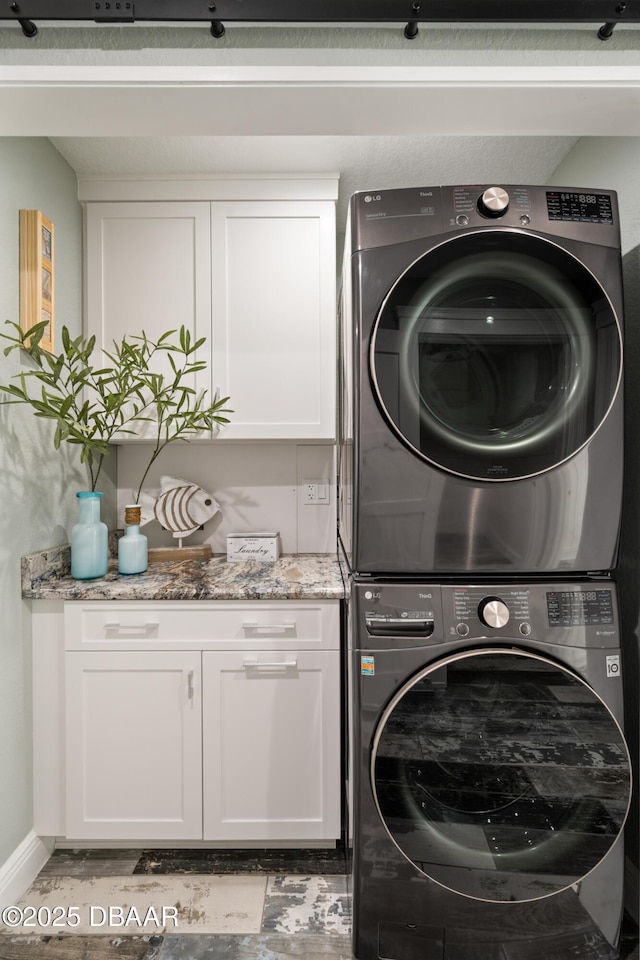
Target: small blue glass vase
point(132, 547)
point(89, 539)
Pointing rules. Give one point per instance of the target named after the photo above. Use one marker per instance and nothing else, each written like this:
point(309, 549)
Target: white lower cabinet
point(187, 721)
point(134, 745)
point(271, 738)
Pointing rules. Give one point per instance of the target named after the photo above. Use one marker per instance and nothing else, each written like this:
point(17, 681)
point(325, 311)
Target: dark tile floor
point(312, 862)
point(304, 913)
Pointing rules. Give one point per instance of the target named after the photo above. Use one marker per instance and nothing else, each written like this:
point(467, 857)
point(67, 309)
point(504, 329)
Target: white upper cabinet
point(274, 316)
point(148, 268)
point(255, 277)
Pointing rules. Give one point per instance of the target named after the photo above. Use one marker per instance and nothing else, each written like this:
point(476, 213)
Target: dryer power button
point(494, 202)
point(494, 612)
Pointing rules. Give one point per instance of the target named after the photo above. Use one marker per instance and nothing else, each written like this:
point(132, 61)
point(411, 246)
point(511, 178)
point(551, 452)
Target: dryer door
point(501, 775)
point(496, 356)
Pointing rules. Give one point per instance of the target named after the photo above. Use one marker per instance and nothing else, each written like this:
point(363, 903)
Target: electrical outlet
point(317, 491)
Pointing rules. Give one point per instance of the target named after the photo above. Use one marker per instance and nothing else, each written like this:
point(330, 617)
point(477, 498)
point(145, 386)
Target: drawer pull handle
point(131, 627)
point(190, 685)
point(274, 664)
point(254, 625)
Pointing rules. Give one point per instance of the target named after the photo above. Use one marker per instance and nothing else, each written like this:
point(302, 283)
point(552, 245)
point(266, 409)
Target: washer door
point(496, 356)
point(501, 775)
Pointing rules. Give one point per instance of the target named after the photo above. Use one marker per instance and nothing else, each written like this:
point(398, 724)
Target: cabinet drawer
point(219, 625)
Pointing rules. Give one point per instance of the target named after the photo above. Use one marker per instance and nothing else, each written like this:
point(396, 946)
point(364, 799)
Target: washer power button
point(462, 629)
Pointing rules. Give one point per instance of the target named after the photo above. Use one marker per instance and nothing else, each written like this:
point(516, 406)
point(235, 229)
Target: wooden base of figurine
point(197, 552)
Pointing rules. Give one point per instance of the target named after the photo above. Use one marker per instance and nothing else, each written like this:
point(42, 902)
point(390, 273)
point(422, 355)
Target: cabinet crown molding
point(322, 186)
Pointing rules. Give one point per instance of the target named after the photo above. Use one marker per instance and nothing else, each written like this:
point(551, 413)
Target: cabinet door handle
point(130, 627)
point(255, 664)
point(190, 685)
point(254, 625)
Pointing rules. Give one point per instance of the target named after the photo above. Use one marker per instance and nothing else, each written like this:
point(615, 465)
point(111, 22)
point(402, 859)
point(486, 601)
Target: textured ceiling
point(364, 163)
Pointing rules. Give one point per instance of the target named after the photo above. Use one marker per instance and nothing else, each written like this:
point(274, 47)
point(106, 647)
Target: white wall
point(259, 486)
point(38, 485)
point(611, 163)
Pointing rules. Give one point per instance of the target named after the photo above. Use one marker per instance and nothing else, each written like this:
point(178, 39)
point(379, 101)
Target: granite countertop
point(311, 576)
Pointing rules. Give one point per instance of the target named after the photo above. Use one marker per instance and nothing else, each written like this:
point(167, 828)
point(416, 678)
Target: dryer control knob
point(494, 613)
point(494, 202)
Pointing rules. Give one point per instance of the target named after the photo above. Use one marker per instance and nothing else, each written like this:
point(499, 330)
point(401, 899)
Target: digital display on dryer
point(579, 608)
point(579, 207)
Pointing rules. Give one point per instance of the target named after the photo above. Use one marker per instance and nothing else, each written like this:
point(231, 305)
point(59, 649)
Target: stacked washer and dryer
point(480, 474)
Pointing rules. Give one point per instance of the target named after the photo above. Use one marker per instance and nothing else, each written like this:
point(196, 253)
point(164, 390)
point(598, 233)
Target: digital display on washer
point(579, 207)
point(579, 608)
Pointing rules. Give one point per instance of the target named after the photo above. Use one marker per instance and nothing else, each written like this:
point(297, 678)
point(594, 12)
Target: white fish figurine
point(181, 507)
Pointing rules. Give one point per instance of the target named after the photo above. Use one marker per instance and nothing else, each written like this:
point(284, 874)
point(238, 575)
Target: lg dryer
point(482, 366)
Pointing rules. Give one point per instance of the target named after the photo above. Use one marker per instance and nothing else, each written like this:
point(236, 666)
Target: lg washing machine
point(490, 774)
point(481, 365)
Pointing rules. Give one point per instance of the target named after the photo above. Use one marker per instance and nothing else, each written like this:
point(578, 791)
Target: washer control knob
point(494, 613)
point(494, 202)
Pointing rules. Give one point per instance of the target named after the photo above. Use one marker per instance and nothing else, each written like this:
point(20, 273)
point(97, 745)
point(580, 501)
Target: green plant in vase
point(95, 401)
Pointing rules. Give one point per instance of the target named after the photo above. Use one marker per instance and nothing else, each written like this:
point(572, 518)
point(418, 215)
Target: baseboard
point(62, 843)
point(22, 867)
point(632, 889)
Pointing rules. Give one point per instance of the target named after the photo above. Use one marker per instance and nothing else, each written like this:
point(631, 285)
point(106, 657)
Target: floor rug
point(142, 905)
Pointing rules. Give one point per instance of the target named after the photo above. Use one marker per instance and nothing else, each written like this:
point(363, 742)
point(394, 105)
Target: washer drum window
point(501, 775)
point(496, 356)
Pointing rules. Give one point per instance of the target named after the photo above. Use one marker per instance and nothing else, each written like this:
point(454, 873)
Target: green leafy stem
point(91, 405)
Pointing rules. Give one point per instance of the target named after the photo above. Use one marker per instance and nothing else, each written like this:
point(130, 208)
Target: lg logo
point(369, 197)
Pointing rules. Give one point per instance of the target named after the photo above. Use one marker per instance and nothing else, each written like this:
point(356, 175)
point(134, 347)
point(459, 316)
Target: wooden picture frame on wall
point(37, 274)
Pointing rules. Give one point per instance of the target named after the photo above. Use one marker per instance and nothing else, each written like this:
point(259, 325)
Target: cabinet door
point(271, 745)
point(274, 317)
point(148, 268)
point(134, 739)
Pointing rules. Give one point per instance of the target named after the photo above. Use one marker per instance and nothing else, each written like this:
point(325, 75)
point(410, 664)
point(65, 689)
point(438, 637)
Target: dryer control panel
point(383, 217)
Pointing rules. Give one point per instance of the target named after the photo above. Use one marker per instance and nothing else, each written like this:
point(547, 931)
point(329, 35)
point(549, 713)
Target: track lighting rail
point(609, 13)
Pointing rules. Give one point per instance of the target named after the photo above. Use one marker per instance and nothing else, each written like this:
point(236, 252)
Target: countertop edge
point(45, 576)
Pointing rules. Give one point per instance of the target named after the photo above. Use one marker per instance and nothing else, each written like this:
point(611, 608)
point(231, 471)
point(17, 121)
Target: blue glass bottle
point(132, 547)
point(89, 539)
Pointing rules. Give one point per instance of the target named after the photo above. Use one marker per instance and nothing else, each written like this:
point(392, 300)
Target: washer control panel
point(554, 613)
point(578, 608)
point(397, 614)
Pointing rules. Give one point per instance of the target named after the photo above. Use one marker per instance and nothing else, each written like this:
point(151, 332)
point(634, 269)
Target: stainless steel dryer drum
point(490, 775)
point(482, 368)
